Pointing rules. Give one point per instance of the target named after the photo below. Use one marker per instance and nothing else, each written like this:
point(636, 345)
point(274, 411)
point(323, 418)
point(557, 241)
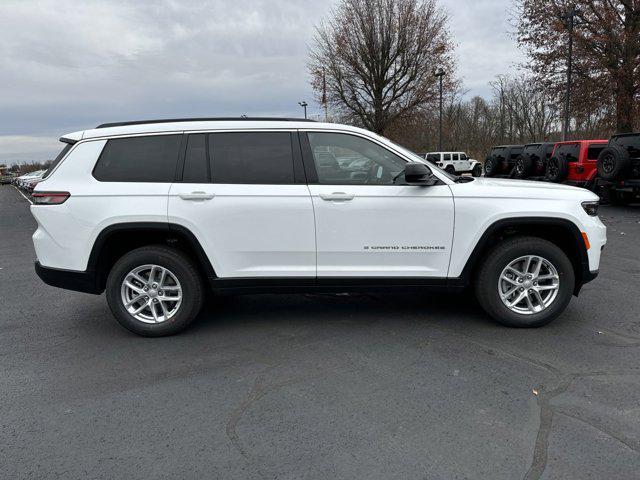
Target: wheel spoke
point(508, 293)
point(550, 276)
point(518, 299)
point(536, 293)
point(527, 264)
point(510, 280)
point(170, 299)
point(547, 287)
point(530, 303)
point(133, 300)
point(517, 272)
point(536, 271)
point(153, 311)
point(152, 274)
point(133, 287)
point(140, 308)
point(165, 312)
point(163, 274)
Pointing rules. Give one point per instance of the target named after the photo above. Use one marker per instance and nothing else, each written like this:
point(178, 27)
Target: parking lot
point(319, 386)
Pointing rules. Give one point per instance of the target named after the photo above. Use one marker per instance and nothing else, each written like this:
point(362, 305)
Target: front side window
point(463, 156)
point(343, 159)
point(447, 157)
point(251, 158)
point(139, 159)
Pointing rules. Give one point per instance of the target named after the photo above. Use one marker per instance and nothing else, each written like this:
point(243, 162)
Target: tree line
point(372, 64)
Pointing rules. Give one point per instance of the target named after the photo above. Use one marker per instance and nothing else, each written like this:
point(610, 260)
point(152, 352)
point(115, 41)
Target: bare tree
point(606, 56)
point(376, 58)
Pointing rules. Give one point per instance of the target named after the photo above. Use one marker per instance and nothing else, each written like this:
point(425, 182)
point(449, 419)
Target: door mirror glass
point(418, 174)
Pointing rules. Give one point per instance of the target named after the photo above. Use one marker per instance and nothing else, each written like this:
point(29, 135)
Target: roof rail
point(173, 120)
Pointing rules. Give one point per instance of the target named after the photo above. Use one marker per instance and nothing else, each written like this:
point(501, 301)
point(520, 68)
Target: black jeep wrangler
point(619, 169)
point(532, 162)
point(501, 160)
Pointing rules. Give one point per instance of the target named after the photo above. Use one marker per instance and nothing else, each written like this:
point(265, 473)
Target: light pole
point(304, 104)
point(568, 17)
point(440, 73)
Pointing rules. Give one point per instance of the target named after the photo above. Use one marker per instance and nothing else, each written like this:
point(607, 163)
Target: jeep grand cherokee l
point(153, 213)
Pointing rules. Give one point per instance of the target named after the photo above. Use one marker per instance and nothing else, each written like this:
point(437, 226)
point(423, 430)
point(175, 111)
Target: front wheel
point(154, 291)
point(477, 170)
point(525, 282)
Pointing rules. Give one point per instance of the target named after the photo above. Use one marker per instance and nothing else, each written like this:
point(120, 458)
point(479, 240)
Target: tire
point(613, 163)
point(557, 169)
point(476, 171)
point(179, 267)
point(487, 282)
point(612, 197)
point(450, 169)
point(523, 166)
point(490, 167)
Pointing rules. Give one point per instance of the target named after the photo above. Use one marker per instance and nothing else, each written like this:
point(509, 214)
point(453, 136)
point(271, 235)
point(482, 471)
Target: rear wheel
point(490, 167)
point(154, 291)
point(557, 169)
point(450, 169)
point(523, 166)
point(525, 282)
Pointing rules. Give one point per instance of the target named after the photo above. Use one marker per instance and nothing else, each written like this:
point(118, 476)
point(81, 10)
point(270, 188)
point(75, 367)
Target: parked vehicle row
point(610, 168)
point(29, 180)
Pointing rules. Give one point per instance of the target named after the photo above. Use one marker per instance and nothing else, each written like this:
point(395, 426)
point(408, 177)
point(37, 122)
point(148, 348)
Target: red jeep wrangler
point(575, 162)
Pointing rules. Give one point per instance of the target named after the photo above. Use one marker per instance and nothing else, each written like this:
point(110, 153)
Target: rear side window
point(593, 151)
point(251, 157)
point(571, 152)
point(514, 152)
point(447, 157)
point(139, 159)
point(57, 160)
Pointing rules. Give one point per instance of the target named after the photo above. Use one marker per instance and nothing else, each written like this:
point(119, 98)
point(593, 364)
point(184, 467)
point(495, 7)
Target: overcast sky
point(68, 65)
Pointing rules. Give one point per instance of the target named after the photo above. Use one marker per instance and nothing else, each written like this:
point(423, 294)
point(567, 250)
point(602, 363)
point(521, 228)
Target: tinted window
point(139, 159)
point(593, 151)
point(371, 164)
point(570, 152)
point(196, 165)
point(251, 157)
point(630, 142)
point(514, 152)
point(463, 156)
point(447, 157)
point(56, 161)
point(548, 149)
point(433, 157)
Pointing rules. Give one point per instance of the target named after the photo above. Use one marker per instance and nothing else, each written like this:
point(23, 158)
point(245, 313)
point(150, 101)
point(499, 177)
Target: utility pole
point(569, 19)
point(440, 73)
point(304, 104)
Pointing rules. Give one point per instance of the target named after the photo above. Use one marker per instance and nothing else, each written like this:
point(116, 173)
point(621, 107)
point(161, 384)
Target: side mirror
point(418, 174)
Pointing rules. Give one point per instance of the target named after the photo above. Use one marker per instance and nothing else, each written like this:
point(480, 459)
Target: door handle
point(337, 196)
point(196, 196)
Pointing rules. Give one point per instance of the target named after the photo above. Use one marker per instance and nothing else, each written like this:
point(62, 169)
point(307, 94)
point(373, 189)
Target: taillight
point(50, 198)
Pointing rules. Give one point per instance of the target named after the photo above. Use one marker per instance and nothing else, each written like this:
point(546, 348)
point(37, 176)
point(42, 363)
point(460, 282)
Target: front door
point(242, 198)
point(368, 224)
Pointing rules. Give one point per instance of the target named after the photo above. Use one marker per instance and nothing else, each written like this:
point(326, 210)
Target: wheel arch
point(562, 232)
point(117, 239)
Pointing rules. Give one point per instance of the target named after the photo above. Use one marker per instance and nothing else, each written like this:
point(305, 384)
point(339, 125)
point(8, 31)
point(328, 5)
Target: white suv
point(153, 213)
point(455, 162)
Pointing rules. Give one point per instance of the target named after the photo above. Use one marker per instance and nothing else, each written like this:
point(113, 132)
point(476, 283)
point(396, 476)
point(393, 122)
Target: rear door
point(244, 196)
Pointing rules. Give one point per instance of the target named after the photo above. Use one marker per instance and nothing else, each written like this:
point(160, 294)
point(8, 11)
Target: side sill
point(69, 279)
point(333, 285)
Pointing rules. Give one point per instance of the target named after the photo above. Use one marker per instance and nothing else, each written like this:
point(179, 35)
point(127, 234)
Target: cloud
point(70, 65)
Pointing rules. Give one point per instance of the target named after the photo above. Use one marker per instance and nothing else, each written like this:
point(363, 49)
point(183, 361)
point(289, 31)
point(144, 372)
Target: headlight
point(591, 208)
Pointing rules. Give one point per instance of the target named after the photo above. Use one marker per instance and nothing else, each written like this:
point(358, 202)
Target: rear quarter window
point(139, 159)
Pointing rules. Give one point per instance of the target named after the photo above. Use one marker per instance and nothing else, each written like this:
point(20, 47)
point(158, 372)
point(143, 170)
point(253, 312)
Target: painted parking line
point(25, 197)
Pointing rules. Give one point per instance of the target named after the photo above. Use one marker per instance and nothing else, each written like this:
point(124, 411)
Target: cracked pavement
point(320, 386)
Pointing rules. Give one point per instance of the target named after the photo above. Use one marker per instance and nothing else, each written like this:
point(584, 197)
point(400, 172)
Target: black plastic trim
point(68, 279)
point(585, 275)
point(202, 119)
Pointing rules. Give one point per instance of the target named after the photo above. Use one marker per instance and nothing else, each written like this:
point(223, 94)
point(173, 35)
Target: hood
point(507, 188)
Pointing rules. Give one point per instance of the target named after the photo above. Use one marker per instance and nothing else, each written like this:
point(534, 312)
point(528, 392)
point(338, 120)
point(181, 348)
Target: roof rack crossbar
point(175, 120)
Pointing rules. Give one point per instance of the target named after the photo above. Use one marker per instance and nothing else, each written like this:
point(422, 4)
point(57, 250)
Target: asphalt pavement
point(319, 386)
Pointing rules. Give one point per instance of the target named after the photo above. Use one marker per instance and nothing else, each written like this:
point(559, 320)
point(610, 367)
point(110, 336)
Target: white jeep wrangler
point(455, 162)
point(154, 213)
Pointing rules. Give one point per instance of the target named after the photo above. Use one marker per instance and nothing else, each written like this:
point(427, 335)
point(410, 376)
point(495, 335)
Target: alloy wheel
point(151, 293)
point(528, 284)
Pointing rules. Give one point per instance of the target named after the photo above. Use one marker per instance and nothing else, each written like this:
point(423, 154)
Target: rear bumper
point(69, 279)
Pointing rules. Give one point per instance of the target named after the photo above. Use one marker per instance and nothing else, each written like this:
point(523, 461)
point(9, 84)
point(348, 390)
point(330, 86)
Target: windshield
point(419, 159)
